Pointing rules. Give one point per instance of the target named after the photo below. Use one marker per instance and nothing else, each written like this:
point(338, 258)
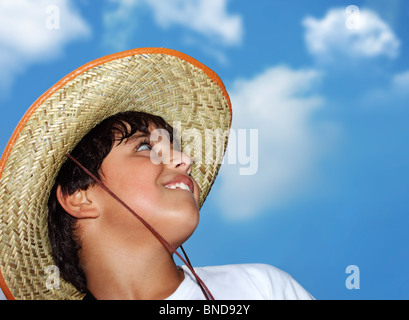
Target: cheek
point(135, 183)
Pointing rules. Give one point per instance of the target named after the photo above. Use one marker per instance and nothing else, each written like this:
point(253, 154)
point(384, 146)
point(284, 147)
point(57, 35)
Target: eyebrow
point(136, 136)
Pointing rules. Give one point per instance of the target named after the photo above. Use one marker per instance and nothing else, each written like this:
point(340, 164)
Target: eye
point(144, 147)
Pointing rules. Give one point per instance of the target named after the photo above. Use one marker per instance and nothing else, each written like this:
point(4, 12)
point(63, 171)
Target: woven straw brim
point(158, 81)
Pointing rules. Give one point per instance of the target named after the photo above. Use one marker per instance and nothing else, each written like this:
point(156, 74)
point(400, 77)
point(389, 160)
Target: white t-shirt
point(240, 282)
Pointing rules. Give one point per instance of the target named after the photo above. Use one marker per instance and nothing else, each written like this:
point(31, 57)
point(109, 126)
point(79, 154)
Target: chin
point(181, 227)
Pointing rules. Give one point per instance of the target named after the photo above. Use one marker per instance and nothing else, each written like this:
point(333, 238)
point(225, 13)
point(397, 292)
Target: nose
point(181, 161)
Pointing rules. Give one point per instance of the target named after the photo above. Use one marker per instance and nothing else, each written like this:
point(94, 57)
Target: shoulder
point(251, 270)
point(254, 281)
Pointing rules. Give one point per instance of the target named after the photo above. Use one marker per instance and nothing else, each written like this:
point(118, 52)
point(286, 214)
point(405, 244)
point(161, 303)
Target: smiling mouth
point(180, 182)
point(180, 185)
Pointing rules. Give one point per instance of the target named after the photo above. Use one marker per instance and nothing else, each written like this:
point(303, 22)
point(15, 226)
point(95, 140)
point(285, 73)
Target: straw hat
point(155, 80)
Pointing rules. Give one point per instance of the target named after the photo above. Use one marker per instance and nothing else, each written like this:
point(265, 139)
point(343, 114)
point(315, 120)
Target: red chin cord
point(206, 292)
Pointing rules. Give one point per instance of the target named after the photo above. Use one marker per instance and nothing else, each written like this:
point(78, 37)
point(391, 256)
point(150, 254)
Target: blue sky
point(326, 88)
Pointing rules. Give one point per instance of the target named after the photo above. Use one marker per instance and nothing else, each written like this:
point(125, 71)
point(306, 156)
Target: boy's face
point(154, 189)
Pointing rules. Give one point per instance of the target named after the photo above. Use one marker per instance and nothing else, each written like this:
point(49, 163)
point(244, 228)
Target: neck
point(140, 275)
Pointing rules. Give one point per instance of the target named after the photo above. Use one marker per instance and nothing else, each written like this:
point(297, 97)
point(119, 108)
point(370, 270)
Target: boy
point(110, 240)
point(105, 115)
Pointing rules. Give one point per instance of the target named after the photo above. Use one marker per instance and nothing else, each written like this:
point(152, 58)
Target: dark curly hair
point(90, 152)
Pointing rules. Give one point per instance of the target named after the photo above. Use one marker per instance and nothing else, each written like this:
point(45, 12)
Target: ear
point(77, 204)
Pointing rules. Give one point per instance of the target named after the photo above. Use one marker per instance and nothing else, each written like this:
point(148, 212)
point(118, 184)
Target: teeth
point(180, 185)
point(183, 186)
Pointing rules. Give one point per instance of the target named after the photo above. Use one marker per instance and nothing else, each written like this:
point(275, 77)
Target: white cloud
point(345, 33)
point(209, 18)
point(34, 31)
point(281, 104)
